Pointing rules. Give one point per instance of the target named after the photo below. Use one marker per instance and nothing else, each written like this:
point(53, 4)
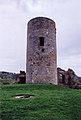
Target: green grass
point(48, 103)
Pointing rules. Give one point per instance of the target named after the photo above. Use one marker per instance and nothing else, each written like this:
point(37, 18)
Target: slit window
point(41, 41)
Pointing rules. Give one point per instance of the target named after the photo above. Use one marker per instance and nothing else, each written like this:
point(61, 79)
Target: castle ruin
point(41, 61)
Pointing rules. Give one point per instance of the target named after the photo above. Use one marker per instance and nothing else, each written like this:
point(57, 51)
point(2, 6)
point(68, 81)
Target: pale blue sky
point(14, 15)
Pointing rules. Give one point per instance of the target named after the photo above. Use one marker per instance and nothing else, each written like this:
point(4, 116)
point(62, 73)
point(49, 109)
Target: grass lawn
point(49, 102)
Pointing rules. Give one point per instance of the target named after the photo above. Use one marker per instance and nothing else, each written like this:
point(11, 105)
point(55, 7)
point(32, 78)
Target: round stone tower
point(41, 62)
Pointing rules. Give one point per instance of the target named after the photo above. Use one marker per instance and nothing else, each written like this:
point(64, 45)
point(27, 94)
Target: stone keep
point(41, 62)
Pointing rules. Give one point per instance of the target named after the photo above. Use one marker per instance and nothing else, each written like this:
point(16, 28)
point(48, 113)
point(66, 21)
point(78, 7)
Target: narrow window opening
point(41, 41)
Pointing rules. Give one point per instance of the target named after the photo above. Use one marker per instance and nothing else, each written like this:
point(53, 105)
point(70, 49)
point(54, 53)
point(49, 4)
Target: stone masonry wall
point(41, 63)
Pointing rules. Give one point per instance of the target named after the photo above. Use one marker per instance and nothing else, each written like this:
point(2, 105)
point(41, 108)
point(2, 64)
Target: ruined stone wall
point(41, 63)
point(68, 78)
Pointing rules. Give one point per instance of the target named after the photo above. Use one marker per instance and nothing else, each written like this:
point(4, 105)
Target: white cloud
point(72, 61)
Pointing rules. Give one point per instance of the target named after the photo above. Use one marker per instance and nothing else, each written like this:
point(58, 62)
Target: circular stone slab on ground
point(24, 96)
